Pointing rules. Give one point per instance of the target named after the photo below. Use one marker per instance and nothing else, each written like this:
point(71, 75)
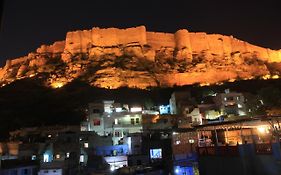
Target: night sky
point(28, 24)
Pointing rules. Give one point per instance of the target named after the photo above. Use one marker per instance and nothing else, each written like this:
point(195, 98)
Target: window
point(86, 145)
point(132, 121)
point(137, 120)
point(117, 134)
point(45, 158)
point(82, 158)
point(96, 122)
point(33, 157)
point(116, 121)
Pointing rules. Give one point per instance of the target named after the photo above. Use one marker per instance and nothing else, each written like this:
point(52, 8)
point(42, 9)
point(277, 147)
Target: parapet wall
point(157, 40)
point(80, 41)
point(113, 36)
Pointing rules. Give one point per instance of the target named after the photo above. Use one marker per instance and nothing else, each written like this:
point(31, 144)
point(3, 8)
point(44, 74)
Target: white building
point(113, 119)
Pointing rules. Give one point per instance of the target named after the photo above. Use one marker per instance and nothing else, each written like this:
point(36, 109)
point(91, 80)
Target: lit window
point(57, 156)
point(118, 109)
point(67, 155)
point(33, 157)
point(82, 158)
point(86, 145)
point(225, 98)
point(49, 135)
point(45, 158)
point(116, 121)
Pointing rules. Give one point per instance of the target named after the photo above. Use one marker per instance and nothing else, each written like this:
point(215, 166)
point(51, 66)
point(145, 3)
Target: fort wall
point(215, 43)
point(182, 40)
point(227, 47)
point(238, 46)
point(81, 41)
point(274, 56)
point(199, 41)
point(158, 39)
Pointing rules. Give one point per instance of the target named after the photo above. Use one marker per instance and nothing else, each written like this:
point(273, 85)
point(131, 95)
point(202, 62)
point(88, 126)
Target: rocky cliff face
point(133, 57)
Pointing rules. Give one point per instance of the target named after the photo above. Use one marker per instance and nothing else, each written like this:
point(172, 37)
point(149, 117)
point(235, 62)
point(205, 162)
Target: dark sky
point(26, 24)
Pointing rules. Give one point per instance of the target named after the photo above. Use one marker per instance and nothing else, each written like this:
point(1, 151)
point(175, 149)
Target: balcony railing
point(259, 149)
point(263, 148)
point(218, 151)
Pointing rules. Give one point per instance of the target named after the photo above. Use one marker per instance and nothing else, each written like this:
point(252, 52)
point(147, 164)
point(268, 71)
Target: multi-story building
point(181, 102)
point(230, 103)
point(113, 119)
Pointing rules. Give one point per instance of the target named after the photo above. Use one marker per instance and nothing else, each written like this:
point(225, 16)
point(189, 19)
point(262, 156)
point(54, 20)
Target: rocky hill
point(113, 58)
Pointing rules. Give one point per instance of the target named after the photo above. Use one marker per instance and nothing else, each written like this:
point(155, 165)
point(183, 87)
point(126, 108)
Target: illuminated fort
point(183, 46)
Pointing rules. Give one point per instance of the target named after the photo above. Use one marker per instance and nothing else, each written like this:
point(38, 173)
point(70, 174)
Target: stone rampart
point(260, 52)
point(157, 40)
point(199, 42)
point(114, 36)
point(274, 56)
point(182, 39)
point(238, 46)
point(77, 41)
point(215, 43)
point(81, 41)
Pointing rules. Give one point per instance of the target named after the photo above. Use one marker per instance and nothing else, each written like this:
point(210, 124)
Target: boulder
point(40, 61)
